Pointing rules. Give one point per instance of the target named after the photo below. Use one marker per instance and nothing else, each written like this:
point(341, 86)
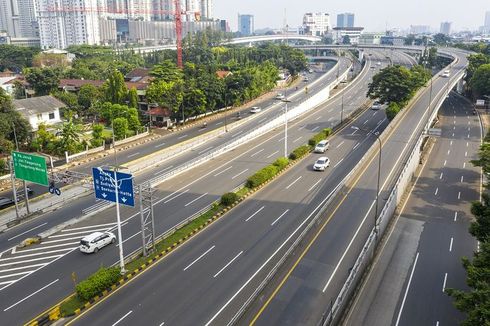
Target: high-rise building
point(487, 20)
point(246, 24)
point(76, 23)
point(317, 24)
point(206, 9)
point(17, 18)
point(419, 29)
point(445, 28)
point(345, 20)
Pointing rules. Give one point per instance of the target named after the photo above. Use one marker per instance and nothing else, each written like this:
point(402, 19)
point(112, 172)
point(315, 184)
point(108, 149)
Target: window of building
point(39, 116)
point(51, 116)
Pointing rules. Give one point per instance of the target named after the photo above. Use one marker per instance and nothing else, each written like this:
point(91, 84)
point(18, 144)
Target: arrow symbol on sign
point(123, 199)
point(104, 195)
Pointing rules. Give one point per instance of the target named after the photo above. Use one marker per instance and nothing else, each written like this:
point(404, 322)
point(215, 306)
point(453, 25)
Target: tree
point(194, 101)
point(115, 89)
point(480, 82)
point(166, 94)
point(16, 58)
point(392, 110)
point(419, 76)
point(88, 95)
point(19, 90)
point(167, 71)
point(133, 119)
point(120, 128)
point(441, 39)
point(10, 118)
point(70, 100)
point(43, 80)
point(97, 135)
point(480, 228)
point(133, 98)
point(69, 137)
point(391, 84)
point(483, 160)
point(409, 39)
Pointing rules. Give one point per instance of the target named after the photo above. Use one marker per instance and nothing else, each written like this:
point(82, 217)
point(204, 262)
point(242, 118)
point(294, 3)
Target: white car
point(446, 73)
point(321, 164)
point(95, 241)
point(378, 63)
point(255, 109)
point(280, 96)
point(376, 105)
point(322, 146)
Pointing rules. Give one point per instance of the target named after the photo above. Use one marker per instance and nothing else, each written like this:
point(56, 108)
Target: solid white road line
point(340, 144)
point(455, 216)
point(178, 195)
point(49, 247)
point(254, 213)
point(183, 136)
point(315, 128)
point(236, 175)
point(277, 219)
point(440, 177)
point(261, 120)
point(76, 233)
point(161, 171)
point(292, 183)
point(129, 238)
point(30, 295)
point(21, 234)
point(223, 171)
point(437, 190)
point(347, 249)
point(353, 132)
point(462, 178)
point(315, 184)
point(238, 133)
point(88, 227)
point(257, 152)
point(451, 245)
point(273, 154)
point(330, 119)
point(32, 255)
point(338, 163)
point(366, 121)
point(22, 267)
point(192, 201)
point(406, 290)
point(231, 261)
point(197, 259)
point(159, 145)
point(120, 319)
point(62, 240)
point(444, 283)
point(357, 145)
point(204, 150)
point(318, 118)
point(459, 194)
point(297, 139)
point(15, 274)
point(220, 123)
point(133, 154)
point(445, 162)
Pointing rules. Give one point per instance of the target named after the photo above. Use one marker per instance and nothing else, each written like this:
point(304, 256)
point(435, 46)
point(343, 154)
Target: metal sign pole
point(143, 237)
point(14, 189)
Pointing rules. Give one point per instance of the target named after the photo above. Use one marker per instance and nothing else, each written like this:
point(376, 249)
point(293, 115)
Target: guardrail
point(387, 212)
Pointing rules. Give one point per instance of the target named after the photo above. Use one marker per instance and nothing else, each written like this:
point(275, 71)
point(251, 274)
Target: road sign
point(105, 189)
point(30, 167)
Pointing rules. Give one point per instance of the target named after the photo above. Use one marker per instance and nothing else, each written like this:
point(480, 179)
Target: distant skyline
point(374, 15)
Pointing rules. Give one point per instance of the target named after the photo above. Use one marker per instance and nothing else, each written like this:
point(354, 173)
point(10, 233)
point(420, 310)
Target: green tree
point(88, 95)
point(166, 94)
point(133, 98)
point(16, 58)
point(70, 135)
point(392, 110)
point(167, 71)
point(391, 84)
point(120, 126)
point(97, 135)
point(133, 119)
point(19, 90)
point(194, 101)
point(70, 100)
point(480, 228)
point(480, 82)
point(115, 89)
point(43, 80)
point(10, 118)
point(441, 39)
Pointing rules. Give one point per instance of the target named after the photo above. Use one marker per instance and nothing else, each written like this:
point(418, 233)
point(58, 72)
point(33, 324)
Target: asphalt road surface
point(178, 198)
point(423, 254)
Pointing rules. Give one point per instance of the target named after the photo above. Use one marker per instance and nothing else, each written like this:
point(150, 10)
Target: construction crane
point(177, 13)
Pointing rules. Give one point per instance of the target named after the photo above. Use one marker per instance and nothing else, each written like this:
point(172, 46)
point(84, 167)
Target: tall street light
point(285, 100)
point(376, 134)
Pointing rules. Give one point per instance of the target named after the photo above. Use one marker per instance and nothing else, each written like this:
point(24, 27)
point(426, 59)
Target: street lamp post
point(285, 100)
point(376, 134)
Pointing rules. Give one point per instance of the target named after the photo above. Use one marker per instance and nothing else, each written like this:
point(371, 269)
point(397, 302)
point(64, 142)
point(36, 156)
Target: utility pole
point(14, 188)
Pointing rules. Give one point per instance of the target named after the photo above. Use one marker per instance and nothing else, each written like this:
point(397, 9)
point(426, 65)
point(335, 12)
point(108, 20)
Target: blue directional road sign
point(105, 189)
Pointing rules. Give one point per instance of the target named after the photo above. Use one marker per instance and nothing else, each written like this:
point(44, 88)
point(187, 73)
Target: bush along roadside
point(106, 280)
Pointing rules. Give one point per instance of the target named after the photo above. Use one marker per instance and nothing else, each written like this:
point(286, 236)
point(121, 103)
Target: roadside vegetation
point(396, 85)
point(475, 301)
point(106, 277)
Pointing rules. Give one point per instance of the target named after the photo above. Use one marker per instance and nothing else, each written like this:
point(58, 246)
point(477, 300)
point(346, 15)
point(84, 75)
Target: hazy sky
point(374, 15)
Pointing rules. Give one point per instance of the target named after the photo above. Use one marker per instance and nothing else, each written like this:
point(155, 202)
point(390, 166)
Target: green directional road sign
point(30, 167)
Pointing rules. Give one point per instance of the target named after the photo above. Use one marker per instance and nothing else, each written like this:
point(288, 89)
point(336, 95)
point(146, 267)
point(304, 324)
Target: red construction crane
point(177, 14)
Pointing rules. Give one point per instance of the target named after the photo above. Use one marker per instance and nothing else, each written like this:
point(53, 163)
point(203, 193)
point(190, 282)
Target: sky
point(374, 15)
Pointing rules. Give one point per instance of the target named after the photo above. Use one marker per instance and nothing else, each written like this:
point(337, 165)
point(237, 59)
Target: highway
point(422, 255)
point(318, 272)
point(271, 108)
point(208, 273)
point(58, 257)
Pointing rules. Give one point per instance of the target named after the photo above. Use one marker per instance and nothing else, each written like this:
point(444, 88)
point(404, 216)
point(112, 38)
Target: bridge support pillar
point(361, 56)
point(460, 86)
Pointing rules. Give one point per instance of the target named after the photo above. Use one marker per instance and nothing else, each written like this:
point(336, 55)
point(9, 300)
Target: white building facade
point(68, 22)
point(316, 24)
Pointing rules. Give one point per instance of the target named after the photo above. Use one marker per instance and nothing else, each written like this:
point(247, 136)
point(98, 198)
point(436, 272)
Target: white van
point(95, 241)
point(322, 146)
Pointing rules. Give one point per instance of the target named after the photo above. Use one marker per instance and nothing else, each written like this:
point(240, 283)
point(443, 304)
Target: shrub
point(299, 152)
point(319, 137)
point(97, 282)
point(392, 110)
point(262, 176)
point(281, 163)
point(229, 198)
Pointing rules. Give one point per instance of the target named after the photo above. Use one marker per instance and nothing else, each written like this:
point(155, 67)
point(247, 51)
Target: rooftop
point(36, 105)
